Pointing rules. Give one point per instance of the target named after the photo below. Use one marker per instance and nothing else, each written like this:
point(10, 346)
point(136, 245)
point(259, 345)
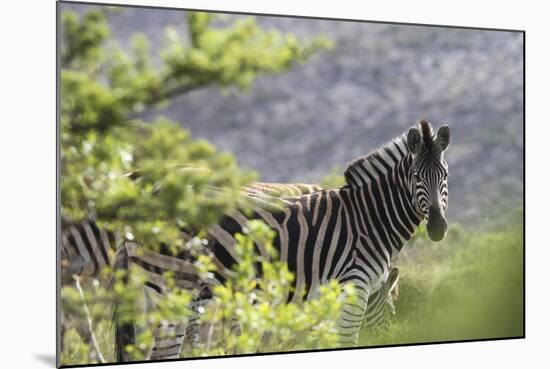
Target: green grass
point(470, 286)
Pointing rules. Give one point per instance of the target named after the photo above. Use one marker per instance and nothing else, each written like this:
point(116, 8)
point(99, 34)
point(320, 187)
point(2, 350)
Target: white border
point(27, 181)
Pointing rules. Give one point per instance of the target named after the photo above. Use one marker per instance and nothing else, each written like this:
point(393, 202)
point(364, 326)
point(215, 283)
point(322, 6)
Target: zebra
point(353, 234)
point(381, 303)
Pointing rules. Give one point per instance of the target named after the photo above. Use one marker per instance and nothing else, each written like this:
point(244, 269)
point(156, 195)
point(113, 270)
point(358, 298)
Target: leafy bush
point(90, 307)
point(267, 322)
point(147, 179)
point(259, 303)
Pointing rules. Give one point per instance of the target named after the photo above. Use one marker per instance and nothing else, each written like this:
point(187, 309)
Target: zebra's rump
point(85, 248)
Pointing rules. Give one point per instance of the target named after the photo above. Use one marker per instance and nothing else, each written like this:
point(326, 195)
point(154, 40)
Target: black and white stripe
point(381, 306)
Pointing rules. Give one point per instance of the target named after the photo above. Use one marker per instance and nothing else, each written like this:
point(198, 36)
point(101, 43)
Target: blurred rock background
point(378, 80)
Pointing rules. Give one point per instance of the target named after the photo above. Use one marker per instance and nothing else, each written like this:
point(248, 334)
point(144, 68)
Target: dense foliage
point(266, 322)
point(146, 180)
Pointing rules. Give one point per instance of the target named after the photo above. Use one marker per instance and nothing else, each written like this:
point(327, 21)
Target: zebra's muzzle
point(437, 225)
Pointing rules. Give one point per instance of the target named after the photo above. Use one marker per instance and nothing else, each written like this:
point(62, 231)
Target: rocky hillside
point(378, 80)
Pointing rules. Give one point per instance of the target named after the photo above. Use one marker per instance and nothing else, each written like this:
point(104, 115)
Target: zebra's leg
point(381, 303)
point(125, 332)
point(235, 328)
point(266, 339)
point(192, 334)
point(196, 333)
point(195, 328)
point(352, 315)
point(168, 336)
point(168, 341)
point(206, 335)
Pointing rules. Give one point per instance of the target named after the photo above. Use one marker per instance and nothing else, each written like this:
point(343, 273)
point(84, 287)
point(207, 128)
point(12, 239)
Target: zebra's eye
point(417, 176)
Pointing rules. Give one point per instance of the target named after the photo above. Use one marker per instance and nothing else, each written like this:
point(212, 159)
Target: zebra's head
point(428, 174)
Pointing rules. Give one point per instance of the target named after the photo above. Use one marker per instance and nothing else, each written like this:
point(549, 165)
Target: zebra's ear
point(414, 140)
point(443, 137)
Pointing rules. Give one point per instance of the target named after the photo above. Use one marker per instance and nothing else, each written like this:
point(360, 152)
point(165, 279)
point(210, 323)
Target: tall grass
point(470, 286)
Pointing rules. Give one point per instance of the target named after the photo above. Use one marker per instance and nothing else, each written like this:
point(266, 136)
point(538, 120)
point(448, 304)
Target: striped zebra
point(381, 303)
point(351, 234)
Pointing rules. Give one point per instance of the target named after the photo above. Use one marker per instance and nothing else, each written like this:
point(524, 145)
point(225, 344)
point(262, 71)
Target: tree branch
point(89, 319)
point(168, 94)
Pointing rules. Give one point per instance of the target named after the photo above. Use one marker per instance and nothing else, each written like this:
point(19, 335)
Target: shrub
point(267, 323)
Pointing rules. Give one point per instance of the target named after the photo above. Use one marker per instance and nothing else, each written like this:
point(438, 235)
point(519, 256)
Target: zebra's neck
point(380, 185)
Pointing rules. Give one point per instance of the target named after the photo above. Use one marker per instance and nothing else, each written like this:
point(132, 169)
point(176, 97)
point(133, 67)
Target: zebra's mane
point(360, 171)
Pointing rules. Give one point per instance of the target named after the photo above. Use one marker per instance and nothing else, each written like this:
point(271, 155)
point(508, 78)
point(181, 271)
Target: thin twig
point(89, 318)
point(211, 331)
